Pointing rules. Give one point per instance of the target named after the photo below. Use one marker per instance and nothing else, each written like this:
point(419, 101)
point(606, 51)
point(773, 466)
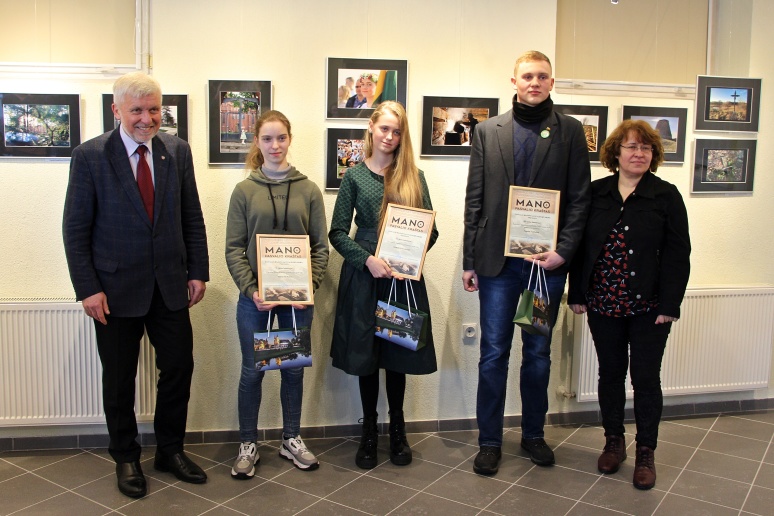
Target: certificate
point(404, 239)
point(284, 269)
point(533, 221)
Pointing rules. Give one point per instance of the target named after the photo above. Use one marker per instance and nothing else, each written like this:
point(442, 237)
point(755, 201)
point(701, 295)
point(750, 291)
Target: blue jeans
point(250, 320)
point(499, 297)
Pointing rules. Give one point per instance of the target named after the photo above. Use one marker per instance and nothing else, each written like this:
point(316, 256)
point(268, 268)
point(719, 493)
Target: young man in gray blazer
point(136, 249)
point(530, 146)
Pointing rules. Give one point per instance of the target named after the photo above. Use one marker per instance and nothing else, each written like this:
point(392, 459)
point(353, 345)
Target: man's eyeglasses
point(646, 149)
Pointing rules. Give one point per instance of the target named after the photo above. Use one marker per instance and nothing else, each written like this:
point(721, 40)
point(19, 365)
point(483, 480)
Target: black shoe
point(181, 466)
point(366, 454)
point(488, 460)
point(131, 481)
point(538, 450)
point(400, 452)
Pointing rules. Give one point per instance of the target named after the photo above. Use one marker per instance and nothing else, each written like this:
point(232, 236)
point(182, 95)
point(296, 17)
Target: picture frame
point(727, 103)
point(284, 269)
point(234, 107)
point(404, 239)
point(670, 123)
point(447, 126)
point(594, 121)
point(345, 148)
point(532, 226)
point(388, 76)
point(723, 166)
point(174, 115)
point(40, 125)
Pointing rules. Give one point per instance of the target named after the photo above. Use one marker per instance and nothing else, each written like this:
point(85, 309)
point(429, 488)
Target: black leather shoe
point(538, 450)
point(131, 481)
point(487, 461)
point(400, 451)
point(181, 466)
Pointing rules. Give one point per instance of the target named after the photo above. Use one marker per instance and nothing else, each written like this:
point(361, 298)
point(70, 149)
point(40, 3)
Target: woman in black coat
point(630, 276)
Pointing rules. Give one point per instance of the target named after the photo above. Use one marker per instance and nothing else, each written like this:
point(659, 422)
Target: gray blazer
point(561, 162)
point(110, 243)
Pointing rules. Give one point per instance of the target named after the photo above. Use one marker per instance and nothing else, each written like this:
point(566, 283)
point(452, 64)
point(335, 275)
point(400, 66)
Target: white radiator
point(50, 372)
point(722, 343)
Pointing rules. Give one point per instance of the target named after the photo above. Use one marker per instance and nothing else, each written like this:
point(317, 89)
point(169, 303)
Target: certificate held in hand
point(404, 239)
point(533, 221)
point(285, 269)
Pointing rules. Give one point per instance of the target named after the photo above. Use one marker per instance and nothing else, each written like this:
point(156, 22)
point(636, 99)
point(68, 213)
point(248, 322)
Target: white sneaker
point(294, 449)
point(247, 458)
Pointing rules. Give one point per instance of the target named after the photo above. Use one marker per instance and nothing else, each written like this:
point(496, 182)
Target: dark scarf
point(532, 115)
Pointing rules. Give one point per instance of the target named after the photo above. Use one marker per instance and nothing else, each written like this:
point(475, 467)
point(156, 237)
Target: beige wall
point(197, 40)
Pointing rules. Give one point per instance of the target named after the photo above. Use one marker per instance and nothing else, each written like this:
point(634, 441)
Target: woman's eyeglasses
point(646, 149)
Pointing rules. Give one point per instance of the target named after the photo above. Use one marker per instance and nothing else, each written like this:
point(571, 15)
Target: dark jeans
point(614, 339)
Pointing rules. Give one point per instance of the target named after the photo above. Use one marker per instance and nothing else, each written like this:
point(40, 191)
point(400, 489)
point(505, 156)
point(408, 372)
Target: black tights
point(369, 391)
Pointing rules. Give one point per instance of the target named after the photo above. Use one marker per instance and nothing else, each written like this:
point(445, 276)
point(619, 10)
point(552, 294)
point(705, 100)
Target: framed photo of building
point(448, 123)
point(39, 125)
point(594, 120)
point(234, 107)
point(727, 103)
point(669, 123)
point(345, 149)
point(724, 166)
point(174, 115)
point(354, 87)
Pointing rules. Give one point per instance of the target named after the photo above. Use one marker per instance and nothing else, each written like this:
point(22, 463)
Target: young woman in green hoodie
point(274, 199)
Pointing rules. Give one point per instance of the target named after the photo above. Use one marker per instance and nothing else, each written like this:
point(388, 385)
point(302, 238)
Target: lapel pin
point(163, 157)
point(545, 133)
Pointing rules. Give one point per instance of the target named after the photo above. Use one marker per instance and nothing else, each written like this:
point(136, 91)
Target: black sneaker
point(538, 450)
point(487, 461)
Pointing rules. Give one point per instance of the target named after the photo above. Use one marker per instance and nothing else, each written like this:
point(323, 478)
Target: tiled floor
point(707, 465)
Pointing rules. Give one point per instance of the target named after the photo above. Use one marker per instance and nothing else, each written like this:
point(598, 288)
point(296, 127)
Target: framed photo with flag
point(354, 87)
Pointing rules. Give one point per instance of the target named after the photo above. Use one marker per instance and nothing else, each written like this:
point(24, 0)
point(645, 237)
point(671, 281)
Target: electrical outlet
point(469, 332)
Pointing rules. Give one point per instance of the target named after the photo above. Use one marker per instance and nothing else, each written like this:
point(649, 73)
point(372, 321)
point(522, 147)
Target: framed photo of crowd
point(669, 123)
point(594, 120)
point(727, 103)
point(724, 166)
point(354, 87)
point(345, 149)
point(449, 123)
point(234, 107)
point(174, 115)
point(39, 125)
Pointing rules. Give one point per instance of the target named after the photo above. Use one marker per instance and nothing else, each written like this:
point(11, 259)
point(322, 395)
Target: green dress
point(355, 347)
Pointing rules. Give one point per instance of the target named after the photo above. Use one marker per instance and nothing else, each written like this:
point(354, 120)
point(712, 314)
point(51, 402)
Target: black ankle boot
point(400, 453)
point(366, 454)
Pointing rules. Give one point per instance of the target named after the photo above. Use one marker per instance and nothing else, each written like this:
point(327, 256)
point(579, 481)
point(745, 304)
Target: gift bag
point(532, 313)
point(283, 348)
point(401, 324)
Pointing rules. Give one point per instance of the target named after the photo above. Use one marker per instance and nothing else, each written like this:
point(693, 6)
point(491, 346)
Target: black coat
point(657, 239)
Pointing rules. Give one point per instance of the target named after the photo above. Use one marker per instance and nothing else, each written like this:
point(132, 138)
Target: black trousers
point(118, 344)
point(614, 339)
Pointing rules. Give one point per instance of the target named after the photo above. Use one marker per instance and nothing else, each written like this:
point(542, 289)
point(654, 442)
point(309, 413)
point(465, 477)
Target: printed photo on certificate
point(285, 269)
point(404, 239)
point(533, 221)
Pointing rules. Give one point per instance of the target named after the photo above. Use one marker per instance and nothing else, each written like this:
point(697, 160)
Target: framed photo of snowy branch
point(40, 125)
point(727, 103)
point(724, 166)
point(174, 115)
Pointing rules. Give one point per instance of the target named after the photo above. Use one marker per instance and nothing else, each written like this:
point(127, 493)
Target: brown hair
point(643, 132)
point(401, 178)
point(255, 159)
point(528, 57)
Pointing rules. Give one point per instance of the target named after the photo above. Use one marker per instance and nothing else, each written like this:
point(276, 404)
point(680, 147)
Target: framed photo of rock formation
point(668, 122)
point(594, 120)
point(727, 103)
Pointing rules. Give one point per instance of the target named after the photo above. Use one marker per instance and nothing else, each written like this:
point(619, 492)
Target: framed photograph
point(670, 123)
point(727, 103)
point(533, 221)
point(40, 125)
point(594, 120)
point(285, 269)
point(174, 115)
point(234, 107)
point(345, 149)
point(448, 123)
point(724, 166)
point(404, 238)
point(354, 87)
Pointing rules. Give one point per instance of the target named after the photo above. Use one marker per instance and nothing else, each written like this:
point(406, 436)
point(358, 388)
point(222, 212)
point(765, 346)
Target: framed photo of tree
point(174, 115)
point(40, 125)
point(234, 107)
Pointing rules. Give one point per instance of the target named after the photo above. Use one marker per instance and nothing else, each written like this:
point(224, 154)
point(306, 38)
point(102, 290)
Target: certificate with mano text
point(404, 239)
point(285, 269)
point(533, 221)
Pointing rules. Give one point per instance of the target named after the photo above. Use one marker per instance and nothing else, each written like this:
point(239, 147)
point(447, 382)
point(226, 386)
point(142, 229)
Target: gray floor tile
point(702, 422)
point(105, 492)
point(372, 495)
point(760, 501)
point(463, 436)
point(8, 470)
point(320, 482)
point(220, 486)
point(35, 459)
point(25, 490)
point(733, 445)
point(675, 455)
point(215, 452)
point(578, 457)
point(343, 456)
point(512, 468)
point(588, 436)
point(584, 509)
point(222, 510)
point(765, 477)
point(469, 488)
point(671, 432)
point(325, 507)
point(77, 470)
point(444, 451)
point(623, 496)
point(522, 500)
point(66, 504)
point(674, 504)
point(560, 433)
point(417, 475)
point(719, 465)
point(423, 503)
point(272, 498)
point(559, 481)
point(765, 417)
point(744, 427)
point(711, 489)
point(168, 501)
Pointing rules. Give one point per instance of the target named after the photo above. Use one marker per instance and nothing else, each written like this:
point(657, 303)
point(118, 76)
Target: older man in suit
point(136, 249)
point(530, 146)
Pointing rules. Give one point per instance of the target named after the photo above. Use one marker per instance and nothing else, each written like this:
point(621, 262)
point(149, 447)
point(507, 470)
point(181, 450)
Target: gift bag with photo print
point(532, 313)
point(282, 348)
point(401, 324)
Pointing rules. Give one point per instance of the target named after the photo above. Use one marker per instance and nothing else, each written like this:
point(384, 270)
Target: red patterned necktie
point(145, 181)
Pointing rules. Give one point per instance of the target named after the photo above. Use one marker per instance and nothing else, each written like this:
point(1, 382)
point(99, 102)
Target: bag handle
point(293, 312)
point(268, 326)
point(392, 289)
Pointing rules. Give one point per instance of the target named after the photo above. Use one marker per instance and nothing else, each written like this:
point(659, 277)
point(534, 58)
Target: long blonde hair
point(401, 177)
point(255, 159)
